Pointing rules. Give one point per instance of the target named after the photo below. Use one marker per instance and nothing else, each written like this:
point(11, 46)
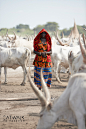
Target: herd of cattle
point(69, 53)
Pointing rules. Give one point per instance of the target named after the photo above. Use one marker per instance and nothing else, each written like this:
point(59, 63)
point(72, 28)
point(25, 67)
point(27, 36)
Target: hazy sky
point(39, 12)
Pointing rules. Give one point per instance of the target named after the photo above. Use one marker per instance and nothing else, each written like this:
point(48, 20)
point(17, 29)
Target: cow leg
point(24, 74)
point(59, 72)
point(5, 72)
point(80, 120)
point(79, 111)
point(56, 72)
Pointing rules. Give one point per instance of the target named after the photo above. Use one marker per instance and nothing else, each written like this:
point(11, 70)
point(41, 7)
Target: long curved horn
point(61, 43)
point(83, 51)
point(8, 36)
point(84, 40)
point(15, 36)
point(62, 35)
point(37, 91)
point(46, 92)
point(45, 88)
point(28, 37)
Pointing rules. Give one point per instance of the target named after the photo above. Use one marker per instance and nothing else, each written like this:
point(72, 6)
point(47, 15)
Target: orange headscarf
point(48, 40)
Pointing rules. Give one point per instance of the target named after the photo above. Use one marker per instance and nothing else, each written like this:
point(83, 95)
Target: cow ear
point(49, 106)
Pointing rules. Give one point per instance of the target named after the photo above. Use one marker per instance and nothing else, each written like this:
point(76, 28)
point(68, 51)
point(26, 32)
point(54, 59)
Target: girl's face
point(43, 34)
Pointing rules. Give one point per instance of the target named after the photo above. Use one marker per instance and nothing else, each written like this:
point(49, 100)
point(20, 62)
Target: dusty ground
point(22, 114)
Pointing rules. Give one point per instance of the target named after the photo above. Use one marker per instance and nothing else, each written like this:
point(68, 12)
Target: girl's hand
point(43, 54)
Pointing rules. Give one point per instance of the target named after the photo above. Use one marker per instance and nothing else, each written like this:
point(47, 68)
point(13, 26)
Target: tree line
point(23, 30)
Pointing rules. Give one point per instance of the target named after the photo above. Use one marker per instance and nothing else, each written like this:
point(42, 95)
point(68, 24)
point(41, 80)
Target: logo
point(11, 118)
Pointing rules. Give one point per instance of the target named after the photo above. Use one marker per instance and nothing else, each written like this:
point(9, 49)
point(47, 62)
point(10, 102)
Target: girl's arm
point(38, 53)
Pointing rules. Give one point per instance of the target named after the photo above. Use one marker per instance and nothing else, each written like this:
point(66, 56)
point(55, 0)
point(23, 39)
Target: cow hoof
point(5, 82)
point(58, 81)
point(22, 84)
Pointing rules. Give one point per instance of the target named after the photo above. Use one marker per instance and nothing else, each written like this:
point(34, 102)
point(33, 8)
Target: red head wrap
point(48, 39)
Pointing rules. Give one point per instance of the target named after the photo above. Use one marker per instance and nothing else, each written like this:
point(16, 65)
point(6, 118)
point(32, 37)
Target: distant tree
point(66, 32)
point(84, 26)
point(18, 31)
point(51, 26)
point(21, 26)
point(38, 28)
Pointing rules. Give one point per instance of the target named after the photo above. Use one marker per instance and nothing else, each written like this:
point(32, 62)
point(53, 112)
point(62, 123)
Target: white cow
point(13, 58)
point(22, 43)
point(60, 53)
point(60, 58)
point(71, 105)
point(5, 44)
point(19, 42)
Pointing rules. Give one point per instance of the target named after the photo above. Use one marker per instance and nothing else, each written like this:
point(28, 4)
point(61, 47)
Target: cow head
point(11, 39)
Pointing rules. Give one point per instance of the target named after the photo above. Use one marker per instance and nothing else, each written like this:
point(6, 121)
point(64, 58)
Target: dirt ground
point(23, 114)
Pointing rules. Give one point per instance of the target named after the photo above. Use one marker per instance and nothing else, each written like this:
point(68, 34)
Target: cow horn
point(7, 35)
point(15, 36)
point(84, 40)
point(61, 43)
point(70, 54)
point(82, 50)
point(46, 92)
point(45, 88)
point(27, 37)
point(39, 94)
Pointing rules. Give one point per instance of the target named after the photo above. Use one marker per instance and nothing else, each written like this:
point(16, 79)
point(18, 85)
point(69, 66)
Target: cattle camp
point(43, 68)
point(55, 107)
